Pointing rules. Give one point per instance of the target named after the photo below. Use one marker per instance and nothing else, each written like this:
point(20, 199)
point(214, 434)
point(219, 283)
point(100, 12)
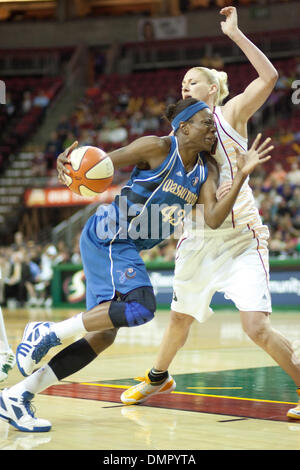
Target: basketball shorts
point(111, 267)
point(234, 262)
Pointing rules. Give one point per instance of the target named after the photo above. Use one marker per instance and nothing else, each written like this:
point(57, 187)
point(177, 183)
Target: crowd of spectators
point(277, 197)
point(26, 270)
point(27, 101)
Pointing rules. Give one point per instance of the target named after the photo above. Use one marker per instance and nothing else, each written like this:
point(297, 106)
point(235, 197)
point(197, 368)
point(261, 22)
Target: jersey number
point(173, 215)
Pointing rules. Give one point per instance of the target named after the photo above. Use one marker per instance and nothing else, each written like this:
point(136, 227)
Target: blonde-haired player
point(234, 258)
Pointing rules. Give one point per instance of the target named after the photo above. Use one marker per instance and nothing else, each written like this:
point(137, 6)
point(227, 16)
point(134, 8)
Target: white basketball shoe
point(7, 362)
point(36, 342)
point(18, 411)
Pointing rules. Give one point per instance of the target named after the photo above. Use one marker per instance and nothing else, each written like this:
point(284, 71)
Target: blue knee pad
point(136, 314)
point(137, 309)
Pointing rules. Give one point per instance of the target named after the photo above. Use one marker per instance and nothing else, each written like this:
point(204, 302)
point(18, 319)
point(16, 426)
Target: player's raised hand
point(61, 160)
point(256, 155)
point(230, 25)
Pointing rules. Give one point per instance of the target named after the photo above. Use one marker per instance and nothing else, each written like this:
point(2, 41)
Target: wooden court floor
point(230, 395)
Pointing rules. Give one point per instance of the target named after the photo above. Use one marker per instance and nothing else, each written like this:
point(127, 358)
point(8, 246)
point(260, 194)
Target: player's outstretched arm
point(147, 152)
point(216, 211)
point(256, 93)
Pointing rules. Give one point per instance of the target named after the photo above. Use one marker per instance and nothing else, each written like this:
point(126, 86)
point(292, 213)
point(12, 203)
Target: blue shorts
point(110, 267)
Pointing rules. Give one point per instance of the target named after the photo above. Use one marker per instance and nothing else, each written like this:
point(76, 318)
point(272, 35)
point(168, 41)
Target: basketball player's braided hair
point(176, 108)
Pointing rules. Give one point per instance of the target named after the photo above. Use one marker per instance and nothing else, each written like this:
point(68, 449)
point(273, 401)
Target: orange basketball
point(91, 171)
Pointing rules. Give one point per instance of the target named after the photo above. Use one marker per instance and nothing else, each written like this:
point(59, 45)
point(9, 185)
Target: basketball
point(91, 171)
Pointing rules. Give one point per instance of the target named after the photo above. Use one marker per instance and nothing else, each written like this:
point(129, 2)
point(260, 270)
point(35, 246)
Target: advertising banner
point(68, 287)
point(60, 197)
point(284, 288)
point(172, 27)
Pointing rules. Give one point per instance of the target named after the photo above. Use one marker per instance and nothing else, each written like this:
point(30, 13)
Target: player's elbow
point(213, 222)
point(214, 225)
point(272, 77)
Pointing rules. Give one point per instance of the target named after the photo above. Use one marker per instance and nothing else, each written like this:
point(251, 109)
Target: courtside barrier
point(68, 285)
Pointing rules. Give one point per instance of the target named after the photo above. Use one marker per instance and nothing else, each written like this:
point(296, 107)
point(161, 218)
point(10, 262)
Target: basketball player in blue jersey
point(169, 171)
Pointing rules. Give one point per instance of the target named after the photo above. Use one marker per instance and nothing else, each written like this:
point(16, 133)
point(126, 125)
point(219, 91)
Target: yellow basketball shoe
point(294, 413)
point(145, 389)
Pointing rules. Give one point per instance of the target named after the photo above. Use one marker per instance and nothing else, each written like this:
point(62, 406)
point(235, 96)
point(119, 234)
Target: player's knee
point(258, 333)
point(137, 314)
point(138, 309)
point(181, 319)
point(102, 340)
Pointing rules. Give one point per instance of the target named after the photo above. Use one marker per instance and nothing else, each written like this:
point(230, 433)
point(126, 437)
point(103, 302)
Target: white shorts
point(231, 261)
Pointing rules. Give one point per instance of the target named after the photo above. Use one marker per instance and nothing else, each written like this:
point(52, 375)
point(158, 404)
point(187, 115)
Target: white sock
point(71, 327)
point(36, 382)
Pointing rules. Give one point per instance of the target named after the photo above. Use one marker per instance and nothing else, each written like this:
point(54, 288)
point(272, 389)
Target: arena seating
point(18, 124)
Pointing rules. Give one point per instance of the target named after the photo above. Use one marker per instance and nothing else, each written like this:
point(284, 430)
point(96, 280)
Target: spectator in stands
point(76, 256)
point(69, 139)
point(53, 148)
point(153, 255)
point(276, 244)
point(148, 32)
point(4, 272)
point(10, 105)
point(135, 104)
point(295, 207)
point(286, 191)
point(137, 124)
point(151, 122)
point(13, 279)
point(17, 283)
point(27, 102)
point(289, 234)
point(41, 99)
point(123, 99)
point(113, 131)
point(86, 137)
point(155, 106)
point(63, 128)
point(285, 136)
point(214, 61)
point(40, 165)
point(43, 286)
point(63, 255)
point(167, 250)
point(18, 240)
point(293, 176)
point(171, 97)
point(267, 208)
point(277, 177)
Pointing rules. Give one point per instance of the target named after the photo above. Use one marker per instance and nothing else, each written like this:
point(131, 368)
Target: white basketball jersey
point(244, 210)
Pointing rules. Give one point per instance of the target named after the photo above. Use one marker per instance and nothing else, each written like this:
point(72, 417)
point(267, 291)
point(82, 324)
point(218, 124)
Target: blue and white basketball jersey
point(153, 202)
point(147, 211)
